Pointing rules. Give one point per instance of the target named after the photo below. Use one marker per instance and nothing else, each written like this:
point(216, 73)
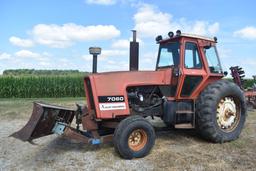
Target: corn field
point(50, 86)
point(41, 86)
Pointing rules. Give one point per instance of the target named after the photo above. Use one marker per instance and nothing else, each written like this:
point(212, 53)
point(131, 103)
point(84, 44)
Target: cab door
point(193, 70)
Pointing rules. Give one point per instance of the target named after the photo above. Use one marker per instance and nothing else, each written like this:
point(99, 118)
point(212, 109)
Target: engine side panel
point(110, 90)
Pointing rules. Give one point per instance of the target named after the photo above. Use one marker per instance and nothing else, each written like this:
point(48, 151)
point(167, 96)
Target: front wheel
point(134, 137)
point(221, 112)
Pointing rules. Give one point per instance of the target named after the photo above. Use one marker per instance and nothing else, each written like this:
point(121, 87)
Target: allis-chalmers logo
point(112, 106)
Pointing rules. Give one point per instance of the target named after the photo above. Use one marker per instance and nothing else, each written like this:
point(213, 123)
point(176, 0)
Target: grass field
point(21, 108)
point(174, 149)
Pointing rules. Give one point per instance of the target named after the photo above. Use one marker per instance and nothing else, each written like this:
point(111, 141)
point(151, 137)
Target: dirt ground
point(174, 149)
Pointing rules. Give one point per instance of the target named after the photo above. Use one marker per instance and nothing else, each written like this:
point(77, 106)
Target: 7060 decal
point(115, 99)
point(111, 99)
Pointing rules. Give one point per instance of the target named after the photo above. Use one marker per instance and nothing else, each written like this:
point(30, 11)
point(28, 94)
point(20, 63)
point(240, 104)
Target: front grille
point(89, 89)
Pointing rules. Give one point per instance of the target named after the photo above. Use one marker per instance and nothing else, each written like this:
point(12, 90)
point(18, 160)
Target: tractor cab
point(192, 59)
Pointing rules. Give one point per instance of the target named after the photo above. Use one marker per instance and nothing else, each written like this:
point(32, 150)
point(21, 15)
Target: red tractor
point(186, 91)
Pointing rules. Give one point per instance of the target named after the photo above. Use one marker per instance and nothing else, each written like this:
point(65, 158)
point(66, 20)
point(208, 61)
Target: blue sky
point(56, 34)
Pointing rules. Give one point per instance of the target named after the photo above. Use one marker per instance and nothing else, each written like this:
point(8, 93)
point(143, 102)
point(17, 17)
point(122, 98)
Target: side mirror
point(225, 73)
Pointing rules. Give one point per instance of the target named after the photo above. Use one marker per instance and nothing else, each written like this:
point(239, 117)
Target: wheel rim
point(228, 114)
point(137, 140)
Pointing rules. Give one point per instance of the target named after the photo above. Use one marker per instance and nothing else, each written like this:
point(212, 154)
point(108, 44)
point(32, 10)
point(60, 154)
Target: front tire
point(134, 137)
point(221, 112)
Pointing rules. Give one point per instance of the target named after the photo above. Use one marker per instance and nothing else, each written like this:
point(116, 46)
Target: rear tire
point(134, 137)
point(221, 112)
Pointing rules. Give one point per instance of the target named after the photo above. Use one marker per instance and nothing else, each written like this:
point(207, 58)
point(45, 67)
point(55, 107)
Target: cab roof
point(195, 36)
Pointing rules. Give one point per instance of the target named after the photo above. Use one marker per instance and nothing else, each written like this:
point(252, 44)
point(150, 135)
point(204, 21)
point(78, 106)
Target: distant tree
point(29, 72)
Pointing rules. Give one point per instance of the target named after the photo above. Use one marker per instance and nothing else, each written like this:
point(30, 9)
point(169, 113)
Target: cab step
point(189, 125)
point(184, 112)
point(184, 126)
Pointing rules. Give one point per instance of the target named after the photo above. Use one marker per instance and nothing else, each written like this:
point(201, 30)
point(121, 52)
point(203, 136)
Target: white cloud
point(202, 27)
point(31, 55)
point(125, 43)
point(214, 28)
point(58, 36)
point(27, 54)
point(64, 60)
point(61, 36)
point(45, 64)
point(101, 2)
point(113, 65)
point(87, 57)
point(114, 53)
point(107, 54)
point(148, 60)
point(4, 56)
point(122, 44)
point(150, 22)
point(26, 43)
point(246, 33)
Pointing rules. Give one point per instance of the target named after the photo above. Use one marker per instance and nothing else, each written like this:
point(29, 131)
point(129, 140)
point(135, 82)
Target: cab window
point(192, 59)
point(212, 59)
point(169, 55)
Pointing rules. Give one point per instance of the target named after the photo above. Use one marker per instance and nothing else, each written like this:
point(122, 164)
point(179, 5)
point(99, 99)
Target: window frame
point(218, 59)
point(199, 56)
point(159, 55)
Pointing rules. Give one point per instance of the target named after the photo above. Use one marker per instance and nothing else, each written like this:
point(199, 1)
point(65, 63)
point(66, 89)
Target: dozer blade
point(43, 120)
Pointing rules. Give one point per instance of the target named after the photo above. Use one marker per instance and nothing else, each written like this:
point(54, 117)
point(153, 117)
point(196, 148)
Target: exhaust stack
point(134, 53)
point(94, 51)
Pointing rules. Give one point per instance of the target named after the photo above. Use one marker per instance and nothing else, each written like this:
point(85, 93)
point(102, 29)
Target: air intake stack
point(94, 51)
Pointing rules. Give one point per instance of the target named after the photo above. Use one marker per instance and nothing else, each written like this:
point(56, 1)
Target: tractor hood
point(114, 84)
point(117, 82)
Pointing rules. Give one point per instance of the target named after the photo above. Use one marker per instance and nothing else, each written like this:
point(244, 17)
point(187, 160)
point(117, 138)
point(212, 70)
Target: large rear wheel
point(221, 112)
